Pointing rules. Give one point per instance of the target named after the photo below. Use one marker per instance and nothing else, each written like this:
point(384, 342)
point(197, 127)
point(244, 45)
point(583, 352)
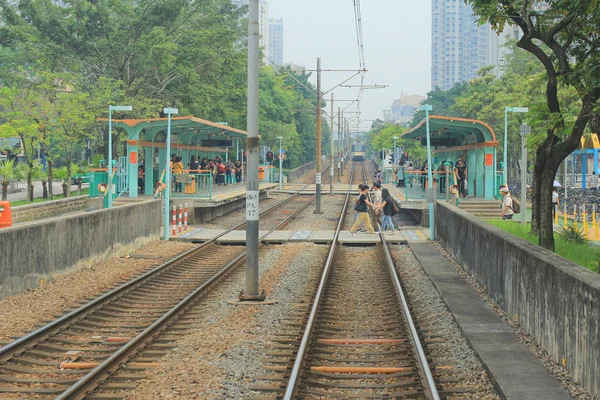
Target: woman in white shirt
point(555, 201)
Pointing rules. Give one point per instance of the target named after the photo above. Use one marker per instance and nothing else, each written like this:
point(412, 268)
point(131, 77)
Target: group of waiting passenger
point(460, 169)
point(222, 172)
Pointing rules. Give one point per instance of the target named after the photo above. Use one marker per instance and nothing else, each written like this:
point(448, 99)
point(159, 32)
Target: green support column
point(132, 173)
point(149, 170)
point(472, 166)
point(490, 171)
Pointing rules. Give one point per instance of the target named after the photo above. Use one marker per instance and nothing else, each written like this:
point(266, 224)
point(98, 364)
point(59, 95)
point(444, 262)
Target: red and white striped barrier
point(174, 220)
point(180, 219)
point(185, 217)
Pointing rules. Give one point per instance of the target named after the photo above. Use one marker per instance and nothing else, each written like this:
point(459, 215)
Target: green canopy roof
point(454, 132)
point(186, 130)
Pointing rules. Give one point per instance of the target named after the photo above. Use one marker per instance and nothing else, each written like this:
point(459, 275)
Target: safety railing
point(196, 183)
point(445, 184)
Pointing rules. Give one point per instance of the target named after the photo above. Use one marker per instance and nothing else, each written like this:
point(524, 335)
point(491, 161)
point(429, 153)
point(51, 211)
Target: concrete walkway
point(516, 372)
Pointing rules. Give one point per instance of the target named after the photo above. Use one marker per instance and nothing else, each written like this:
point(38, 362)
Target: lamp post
point(525, 130)
point(430, 192)
point(169, 111)
point(110, 164)
point(280, 164)
point(506, 111)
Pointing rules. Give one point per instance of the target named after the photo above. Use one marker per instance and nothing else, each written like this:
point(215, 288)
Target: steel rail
point(409, 320)
point(92, 379)
point(42, 333)
point(298, 363)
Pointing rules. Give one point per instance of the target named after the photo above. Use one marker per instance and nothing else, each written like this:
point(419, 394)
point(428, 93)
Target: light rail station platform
point(402, 236)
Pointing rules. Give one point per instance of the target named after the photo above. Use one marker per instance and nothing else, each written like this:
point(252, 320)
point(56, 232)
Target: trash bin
point(261, 173)
point(5, 214)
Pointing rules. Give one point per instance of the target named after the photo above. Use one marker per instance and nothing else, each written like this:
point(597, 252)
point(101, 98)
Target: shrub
point(573, 234)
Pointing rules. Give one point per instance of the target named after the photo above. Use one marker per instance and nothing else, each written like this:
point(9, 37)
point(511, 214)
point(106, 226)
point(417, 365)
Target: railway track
point(359, 338)
point(140, 320)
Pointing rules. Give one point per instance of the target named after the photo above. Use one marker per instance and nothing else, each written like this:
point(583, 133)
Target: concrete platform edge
point(536, 382)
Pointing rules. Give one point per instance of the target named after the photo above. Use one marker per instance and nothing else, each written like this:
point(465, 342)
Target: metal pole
point(109, 201)
point(430, 176)
point(280, 166)
point(565, 179)
point(167, 190)
point(252, 141)
point(332, 158)
point(319, 127)
point(523, 180)
point(340, 139)
point(505, 146)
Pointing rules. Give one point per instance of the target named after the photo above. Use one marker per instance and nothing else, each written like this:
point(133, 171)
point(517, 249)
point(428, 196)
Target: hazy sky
point(397, 38)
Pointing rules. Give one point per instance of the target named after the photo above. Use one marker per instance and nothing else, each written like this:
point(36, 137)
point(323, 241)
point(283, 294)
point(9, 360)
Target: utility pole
point(332, 159)
point(319, 127)
point(340, 141)
point(252, 140)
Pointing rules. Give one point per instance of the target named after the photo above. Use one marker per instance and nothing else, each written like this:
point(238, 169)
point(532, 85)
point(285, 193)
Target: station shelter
point(473, 140)
point(587, 157)
point(190, 136)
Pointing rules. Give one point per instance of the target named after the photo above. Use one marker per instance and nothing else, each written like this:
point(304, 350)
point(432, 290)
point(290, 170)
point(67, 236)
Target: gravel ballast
point(428, 307)
point(223, 358)
point(40, 305)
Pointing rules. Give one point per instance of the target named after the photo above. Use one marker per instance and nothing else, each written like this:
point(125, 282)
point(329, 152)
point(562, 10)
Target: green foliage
point(382, 137)
point(7, 170)
point(587, 255)
point(21, 171)
point(571, 233)
point(61, 173)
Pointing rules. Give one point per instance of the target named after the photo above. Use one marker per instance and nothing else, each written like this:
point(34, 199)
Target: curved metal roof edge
point(451, 119)
point(134, 122)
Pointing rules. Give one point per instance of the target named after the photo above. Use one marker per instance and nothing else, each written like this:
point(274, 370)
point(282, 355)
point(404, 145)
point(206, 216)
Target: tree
point(8, 174)
point(73, 122)
point(566, 41)
point(382, 137)
point(14, 103)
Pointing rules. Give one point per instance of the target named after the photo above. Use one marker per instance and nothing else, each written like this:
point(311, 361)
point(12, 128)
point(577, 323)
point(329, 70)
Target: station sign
point(217, 143)
point(439, 142)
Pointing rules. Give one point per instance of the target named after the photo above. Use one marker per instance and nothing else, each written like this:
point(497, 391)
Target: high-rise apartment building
point(276, 41)
point(263, 26)
point(461, 46)
point(263, 23)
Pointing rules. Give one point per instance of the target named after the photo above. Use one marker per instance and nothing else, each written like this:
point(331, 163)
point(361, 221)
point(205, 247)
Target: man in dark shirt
point(461, 171)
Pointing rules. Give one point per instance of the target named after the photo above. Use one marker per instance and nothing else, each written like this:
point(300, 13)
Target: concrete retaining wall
point(37, 251)
point(555, 300)
point(295, 174)
point(52, 208)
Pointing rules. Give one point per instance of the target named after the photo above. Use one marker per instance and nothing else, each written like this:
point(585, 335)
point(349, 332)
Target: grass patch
point(587, 255)
point(84, 191)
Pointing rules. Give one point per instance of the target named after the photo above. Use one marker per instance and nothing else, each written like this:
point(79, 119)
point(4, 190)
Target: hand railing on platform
point(193, 183)
point(445, 183)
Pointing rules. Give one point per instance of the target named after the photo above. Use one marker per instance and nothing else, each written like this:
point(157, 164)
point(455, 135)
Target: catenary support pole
point(252, 141)
point(332, 158)
point(340, 138)
point(319, 127)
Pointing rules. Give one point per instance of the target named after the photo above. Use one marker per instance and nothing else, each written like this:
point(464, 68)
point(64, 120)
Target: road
point(37, 190)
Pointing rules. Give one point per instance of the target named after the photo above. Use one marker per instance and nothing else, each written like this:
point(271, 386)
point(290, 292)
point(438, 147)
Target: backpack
point(395, 209)
point(516, 207)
